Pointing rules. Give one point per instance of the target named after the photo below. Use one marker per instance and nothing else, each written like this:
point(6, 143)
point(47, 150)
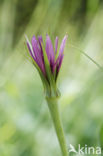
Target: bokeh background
point(25, 123)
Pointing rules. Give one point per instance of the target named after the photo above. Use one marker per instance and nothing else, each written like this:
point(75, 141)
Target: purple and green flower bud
point(47, 60)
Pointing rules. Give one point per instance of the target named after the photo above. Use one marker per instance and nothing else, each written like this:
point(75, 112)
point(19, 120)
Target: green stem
point(53, 107)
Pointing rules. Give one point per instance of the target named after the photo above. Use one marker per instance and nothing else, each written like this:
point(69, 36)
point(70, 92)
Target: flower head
point(47, 60)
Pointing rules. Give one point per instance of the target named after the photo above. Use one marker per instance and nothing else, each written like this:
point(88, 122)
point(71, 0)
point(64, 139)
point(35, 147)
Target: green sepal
point(47, 65)
point(43, 78)
point(51, 77)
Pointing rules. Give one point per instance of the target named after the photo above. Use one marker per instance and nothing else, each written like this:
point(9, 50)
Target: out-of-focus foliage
point(25, 124)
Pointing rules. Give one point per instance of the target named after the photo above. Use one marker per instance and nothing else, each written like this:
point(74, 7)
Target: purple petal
point(36, 47)
point(38, 53)
point(62, 45)
point(50, 50)
point(56, 44)
point(40, 39)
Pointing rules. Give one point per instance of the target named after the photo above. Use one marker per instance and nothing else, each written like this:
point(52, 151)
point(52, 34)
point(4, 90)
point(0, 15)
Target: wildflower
point(47, 60)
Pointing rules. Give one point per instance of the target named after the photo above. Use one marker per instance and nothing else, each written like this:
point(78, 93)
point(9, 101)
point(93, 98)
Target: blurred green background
point(25, 123)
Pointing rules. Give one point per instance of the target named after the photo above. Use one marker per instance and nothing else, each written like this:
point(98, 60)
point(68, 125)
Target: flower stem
point(53, 107)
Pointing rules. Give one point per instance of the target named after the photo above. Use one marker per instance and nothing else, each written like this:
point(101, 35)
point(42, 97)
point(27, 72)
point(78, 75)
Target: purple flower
point(48, 59)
